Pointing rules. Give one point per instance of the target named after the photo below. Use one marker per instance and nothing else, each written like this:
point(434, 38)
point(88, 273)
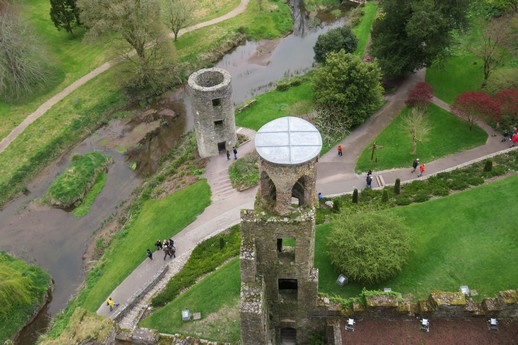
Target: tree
point(472, 105)
point(179, 15)
point(64, 14)
point(23, 61)
point(502, 78)
point(420, 96)
point(331, 124)
point(333, 41)
point(349, 86)
point(508, 100)
point(411, 34)
point(417, 125)
point(135, 21)
point(368, 247)
point(497, 40)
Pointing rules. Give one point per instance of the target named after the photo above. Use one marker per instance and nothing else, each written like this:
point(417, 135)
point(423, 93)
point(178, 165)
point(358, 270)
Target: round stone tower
point(288, 148)
point(211, 96)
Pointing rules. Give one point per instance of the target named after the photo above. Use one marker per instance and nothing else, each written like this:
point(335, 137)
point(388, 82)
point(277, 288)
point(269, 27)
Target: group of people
point(421, 167)
point(167, 246)
point(511, 136)
point(234, 150)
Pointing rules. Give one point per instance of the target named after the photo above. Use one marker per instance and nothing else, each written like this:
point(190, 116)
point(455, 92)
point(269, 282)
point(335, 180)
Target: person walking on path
point(368, 182)
point(421, 170)
point(340, 150)
point(158, 244)
point(111, 303)
point(514, 139)
point(235, 152)
point(415, 164)
point(149, 254)
point(228, 155)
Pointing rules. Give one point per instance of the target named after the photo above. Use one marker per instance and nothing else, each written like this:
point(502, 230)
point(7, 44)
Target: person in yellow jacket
point(111, 303)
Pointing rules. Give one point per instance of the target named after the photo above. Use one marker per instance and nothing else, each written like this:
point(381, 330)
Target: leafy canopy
point(472, 105)
point(333, 41)
point(368, 247)
point(348, 85)
point(64, 14)
point(411, 34)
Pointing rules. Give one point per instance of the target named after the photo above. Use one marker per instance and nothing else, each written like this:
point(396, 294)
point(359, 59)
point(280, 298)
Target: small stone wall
point(439, 305)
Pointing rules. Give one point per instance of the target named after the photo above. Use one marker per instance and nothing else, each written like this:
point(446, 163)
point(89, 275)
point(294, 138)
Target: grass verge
point(448, 134)
point(363, 30)
point(28, 284)
point(88, 200)
point(216, 297)
point(244, 173)
point(76, 181)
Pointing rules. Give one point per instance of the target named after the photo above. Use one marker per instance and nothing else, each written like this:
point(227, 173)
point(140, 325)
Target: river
point(56, 240)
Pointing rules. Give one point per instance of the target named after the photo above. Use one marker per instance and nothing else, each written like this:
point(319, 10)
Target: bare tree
point(331, 124)
point(417, 125)
point(179, 14)
point(23, 63)
point(498, 37)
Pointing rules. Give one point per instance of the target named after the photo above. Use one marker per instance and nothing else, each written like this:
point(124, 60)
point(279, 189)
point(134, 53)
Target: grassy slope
point(295, 101)
point(363, 30)
point(157, 219)
point(88, 200)
point(467, 238)
point(449, 134)
point(71, 57)
point(19, 314)
point(213, 297)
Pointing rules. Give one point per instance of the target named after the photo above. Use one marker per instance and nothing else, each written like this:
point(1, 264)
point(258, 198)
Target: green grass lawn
point(14, 315)
point(88, 200)
point(157, 219)
point(448, 134)
point(468, 238)
point(363, 30)
point(216, 297)
point(295, 101)
point(458, 74)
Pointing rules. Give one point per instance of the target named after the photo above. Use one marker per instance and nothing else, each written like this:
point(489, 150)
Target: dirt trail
point(42, 109)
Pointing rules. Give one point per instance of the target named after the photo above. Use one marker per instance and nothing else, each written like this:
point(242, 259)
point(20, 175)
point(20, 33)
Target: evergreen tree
point(65, 14)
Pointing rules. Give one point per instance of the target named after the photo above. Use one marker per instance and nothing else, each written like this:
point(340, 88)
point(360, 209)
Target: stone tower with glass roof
point(278, 281)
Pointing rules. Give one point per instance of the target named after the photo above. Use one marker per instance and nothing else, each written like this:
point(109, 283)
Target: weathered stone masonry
point(211, 96)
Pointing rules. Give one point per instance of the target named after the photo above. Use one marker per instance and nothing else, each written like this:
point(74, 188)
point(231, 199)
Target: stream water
point(56, 240)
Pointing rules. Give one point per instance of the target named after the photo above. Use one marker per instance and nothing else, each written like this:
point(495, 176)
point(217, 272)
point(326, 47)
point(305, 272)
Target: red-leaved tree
point(508, 100)
point(420, 96)
point(472, 105)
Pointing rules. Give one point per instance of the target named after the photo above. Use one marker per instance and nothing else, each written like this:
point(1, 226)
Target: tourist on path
point(421, 170)
point(149, 254)
point(235, 152)
point(158, 244)
point(368, 181)
point(228, 155)
point(340, 150)
point(514, 139)
point(415, 164)
point(111, 303)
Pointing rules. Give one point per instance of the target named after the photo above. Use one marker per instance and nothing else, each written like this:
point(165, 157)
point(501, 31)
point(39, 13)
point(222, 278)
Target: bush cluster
point(244, 172)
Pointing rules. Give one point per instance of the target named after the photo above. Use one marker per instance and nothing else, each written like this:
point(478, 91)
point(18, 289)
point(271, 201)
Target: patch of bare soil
point(264, 52)
point(445, 332)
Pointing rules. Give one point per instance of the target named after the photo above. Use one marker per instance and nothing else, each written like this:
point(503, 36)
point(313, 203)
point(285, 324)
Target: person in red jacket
point(340, 150)
point(514, 139)
point(421, 170)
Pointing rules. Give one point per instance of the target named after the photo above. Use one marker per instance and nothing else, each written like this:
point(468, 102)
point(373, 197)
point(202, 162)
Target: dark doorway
point(288, 336)
point(221, 146)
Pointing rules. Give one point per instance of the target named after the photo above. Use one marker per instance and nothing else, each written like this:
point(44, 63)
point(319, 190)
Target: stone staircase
point(220, 186)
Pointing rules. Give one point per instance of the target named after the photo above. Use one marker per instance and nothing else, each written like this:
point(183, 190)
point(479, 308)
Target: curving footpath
point(42, 109)
point(335, 176)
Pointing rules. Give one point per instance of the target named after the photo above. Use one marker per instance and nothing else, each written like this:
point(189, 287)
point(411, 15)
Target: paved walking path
point(42, 109)
point(335, 176)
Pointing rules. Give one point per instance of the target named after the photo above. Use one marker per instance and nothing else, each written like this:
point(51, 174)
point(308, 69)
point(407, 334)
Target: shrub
point(244, 173)
point(397, 186)
point(488, 165)
point(336, 206)
point(403, 200)
point(422, 196)
point(368, 247)
point(355, 196)
point(385, 196)
point(334, 40)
